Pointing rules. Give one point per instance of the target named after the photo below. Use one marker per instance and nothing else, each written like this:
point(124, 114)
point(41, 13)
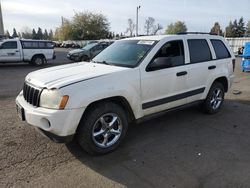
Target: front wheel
point(214, 99)
point(102, 128)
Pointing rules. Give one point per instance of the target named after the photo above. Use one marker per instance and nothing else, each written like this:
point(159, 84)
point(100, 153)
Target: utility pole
point(137, 10)
point(1, 22)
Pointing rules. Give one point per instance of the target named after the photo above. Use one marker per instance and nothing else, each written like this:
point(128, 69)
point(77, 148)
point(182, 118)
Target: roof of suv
point(159, 37)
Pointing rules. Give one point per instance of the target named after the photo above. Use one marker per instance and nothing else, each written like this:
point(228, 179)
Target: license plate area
point(20, 112)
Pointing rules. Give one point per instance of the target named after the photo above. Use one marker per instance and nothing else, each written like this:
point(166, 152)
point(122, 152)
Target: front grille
point(31, 94)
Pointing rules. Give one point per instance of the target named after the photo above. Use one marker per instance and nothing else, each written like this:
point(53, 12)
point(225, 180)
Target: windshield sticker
point(146, 42)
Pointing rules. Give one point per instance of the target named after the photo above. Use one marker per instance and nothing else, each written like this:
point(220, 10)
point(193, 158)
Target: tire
point(38, 60)
point(102, 128)
point(215, 98)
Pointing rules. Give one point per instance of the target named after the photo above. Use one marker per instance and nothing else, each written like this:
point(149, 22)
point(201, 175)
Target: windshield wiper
point(101, 62)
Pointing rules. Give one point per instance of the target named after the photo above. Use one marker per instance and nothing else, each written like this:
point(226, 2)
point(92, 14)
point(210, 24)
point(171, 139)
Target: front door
point(164, 88)
point(9, 52)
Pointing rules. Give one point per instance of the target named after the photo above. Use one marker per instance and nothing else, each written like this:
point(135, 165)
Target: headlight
point(75, 55)
point(52, 99)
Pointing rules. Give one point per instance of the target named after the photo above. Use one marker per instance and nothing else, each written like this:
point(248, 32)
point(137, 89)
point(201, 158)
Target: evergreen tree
point(34, 36)
point(51, 35)
point(14, 35)
point(39, 33)
point(248, 29)
point(230, 29)
point(240, 28)
point(45, 35)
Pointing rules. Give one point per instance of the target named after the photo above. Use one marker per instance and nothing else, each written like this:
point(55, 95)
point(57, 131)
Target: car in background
point(88, 52)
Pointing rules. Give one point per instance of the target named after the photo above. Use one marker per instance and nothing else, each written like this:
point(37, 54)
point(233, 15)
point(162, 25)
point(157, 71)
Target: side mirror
point(159, 63)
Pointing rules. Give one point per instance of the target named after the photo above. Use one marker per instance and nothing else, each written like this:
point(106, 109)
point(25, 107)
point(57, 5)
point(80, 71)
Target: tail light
point(233, 62)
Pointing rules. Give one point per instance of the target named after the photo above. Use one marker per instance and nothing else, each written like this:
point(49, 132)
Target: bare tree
point(131, 27)
point(157, 28)
point(150, 27)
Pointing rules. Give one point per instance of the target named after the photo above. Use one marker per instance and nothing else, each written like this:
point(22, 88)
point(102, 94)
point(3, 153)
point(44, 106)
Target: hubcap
point(216, 98)
point(38, 61)
point(107, 130)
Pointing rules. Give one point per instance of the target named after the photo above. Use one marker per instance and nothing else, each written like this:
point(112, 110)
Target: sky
point(199, 15)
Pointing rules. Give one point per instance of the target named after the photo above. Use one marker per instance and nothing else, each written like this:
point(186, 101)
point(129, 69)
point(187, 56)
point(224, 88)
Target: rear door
point(9, 52)
point(201, 66)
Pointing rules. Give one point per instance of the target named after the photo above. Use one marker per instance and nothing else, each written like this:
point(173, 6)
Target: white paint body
point(94, 82)
point(21, 54)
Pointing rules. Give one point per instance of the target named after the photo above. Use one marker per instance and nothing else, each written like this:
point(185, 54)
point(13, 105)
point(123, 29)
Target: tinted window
point(9, 45)
point(174, 51)
point(37, 44)
point(199, 50)
point(220, 49)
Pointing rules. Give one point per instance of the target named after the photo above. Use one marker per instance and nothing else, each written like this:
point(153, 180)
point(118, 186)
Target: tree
point(230, 30)
point(157, 28)
point(45, 35)
point(14, 35)
point(39, 34)
point(248, 29)
point(34, 34)
point(149, 25)
point(216, 29)
point(26, 33)
point(175, 28)
point(84, 25)
point(7, 34)
point(51, 35)
point(236, 28)
point(131, 27)
point(240, 28)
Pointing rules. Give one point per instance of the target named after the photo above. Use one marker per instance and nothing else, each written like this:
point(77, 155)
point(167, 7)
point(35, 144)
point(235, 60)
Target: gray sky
point(199, 15)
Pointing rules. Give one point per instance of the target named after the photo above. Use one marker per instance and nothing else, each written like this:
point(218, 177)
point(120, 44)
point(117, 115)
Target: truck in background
point(35, 52)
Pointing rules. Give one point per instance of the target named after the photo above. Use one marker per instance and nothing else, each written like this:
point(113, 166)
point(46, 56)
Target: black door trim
point(172, 98)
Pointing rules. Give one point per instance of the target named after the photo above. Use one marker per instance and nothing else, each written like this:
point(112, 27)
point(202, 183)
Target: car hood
point(60, 76)
point(76, 51)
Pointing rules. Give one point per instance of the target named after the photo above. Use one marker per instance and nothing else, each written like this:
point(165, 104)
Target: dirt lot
point(181, 149)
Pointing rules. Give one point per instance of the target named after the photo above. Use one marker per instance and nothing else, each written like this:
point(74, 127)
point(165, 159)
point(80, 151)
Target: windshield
point(126, 53)
point(89, 46)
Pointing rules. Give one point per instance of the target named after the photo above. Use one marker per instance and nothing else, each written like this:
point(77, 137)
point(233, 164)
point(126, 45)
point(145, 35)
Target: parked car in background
point(88, 52)
point(36, 52)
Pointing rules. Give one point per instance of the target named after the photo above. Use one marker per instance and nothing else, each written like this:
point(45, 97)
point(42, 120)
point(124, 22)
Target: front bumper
point(52, 123)
point(72, 57)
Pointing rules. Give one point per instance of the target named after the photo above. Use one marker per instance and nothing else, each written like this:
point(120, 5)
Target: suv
point(130, 80)
point(87, 52)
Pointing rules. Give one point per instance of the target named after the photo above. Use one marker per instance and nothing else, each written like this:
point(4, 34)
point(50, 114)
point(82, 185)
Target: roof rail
point(203, 33)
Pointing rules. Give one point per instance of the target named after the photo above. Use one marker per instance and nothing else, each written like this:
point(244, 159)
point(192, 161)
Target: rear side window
point(199, 50)
point(9, 45)
point(220, 49)
point(37, 45)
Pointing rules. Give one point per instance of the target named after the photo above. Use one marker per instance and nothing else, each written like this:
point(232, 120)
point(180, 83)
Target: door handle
point(211, 67)
point(181, 73)
point(17, 50)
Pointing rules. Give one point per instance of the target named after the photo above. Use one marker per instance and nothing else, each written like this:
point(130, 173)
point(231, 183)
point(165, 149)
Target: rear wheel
point(38, 60)
point(102, 128)
point(214, 99)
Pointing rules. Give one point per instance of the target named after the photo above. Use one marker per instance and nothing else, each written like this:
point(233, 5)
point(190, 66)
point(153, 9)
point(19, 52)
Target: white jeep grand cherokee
point(130, 80)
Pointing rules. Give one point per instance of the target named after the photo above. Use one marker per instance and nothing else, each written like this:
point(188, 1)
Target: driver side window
point(9, 45)
point(174, 51)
